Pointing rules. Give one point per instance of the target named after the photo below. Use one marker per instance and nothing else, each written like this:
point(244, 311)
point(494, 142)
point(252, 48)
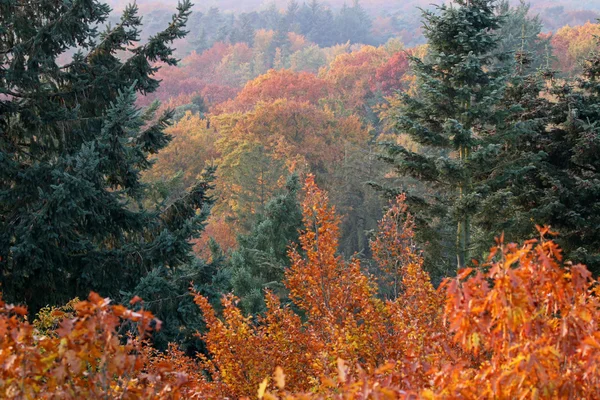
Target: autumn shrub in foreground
point(522, 325)
point(342, 317)
point(85, 357)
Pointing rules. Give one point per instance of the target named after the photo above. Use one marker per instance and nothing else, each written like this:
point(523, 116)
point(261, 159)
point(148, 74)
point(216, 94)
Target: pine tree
point(166, 293)
point(72, 147)
point(261, 258)
point(460, 85)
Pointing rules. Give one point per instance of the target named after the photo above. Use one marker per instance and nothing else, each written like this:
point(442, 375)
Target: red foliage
point(390, 76)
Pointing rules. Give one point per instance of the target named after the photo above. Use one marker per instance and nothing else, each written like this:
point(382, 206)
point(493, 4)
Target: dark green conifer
point(261, 258)
point(72, 147)
point(545, 169)
point(460, 85)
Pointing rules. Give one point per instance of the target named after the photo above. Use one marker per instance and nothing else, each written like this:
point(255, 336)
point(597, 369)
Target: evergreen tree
point(545, 169)
point(271, 17)
point(166, 292)
point(353, 24)
point(317, 23)
point(460, 85)
point(72, 147)
point(244, 30)
point(520, 34)
point(261, 258)
point(291, 15)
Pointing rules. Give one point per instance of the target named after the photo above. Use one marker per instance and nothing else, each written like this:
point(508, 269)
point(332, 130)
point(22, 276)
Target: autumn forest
point(300, 199)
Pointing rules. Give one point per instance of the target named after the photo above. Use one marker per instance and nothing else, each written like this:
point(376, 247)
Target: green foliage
point(545, 170)
point(166, 293)
point(353, 24)
point(72, 147)
point(309, 59)
point(520, 34)
point(261, 258)
point(460, 86)
point(197, 106)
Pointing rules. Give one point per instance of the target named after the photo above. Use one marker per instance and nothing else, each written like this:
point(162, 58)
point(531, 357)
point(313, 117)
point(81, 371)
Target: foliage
point(84, 356)
point(573, 45)
point(261, 147)
point(520, 34)
point(48, 318)
point(544, 170)
point(282, 84)
point(73, 147)
point(353, 75)
point(191, 150)
point(455, 109)
point(343, 318)
point(260, 259)
point(528, 325)
point(309, 59)
point(522, 325)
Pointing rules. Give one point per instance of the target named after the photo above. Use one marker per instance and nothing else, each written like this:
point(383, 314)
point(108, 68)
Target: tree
point(353, 76)
point(260, 260)
point(572, 45)
point(309, 59)
point(317, 23)
point(353, 24)
point(459, 88)
point(166, 293)
point(84, 357)
point(72, 148)
point(282, 84)
point(521, 33)
point(343, 318)
point(545, 169)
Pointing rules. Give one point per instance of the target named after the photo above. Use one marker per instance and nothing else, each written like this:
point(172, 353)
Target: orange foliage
point(344, 319)
point(85, 358)
point(528, 327)
point(522, 325)
point(571, 45)
point(297, 42)
point(278, 84)
point(353, 75)
point(221, 231)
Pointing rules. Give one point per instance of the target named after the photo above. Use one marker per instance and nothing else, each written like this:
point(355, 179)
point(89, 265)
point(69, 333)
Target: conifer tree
point(72, 147)
point(545, 169)
point(460, 84)
point(520, 33)
point(261, 258)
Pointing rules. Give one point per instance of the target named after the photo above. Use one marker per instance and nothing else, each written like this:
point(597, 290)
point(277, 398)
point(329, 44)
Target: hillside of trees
point(327, 22)
point(299, 200)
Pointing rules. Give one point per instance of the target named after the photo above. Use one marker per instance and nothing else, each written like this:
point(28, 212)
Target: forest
point(300, 200)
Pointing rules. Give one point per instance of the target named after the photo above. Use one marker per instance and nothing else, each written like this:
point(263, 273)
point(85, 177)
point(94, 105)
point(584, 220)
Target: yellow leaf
point(279, 378)
point(262, 388)
point(341, 370)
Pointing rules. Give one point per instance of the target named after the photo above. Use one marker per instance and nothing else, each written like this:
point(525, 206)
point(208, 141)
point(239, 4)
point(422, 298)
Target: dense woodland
point(299, 200)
